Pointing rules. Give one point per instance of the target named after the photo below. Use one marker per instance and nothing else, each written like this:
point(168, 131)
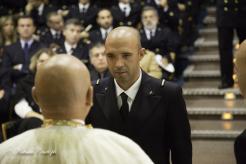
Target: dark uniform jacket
point(231, 13)
point(163, 42)
point(47, 38)
point(131, 20)
point(157, 120)
point(81, 52)
point(87, 18)
point(14, 55)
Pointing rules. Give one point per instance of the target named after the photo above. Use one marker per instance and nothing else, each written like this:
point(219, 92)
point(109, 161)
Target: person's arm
point(179, 128)
point(23, 110)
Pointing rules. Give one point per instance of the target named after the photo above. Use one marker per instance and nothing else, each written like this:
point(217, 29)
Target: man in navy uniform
point(126, 13)
point(53, 34)
point(73, 44)
point(84, 11)
point(105, 23)
point(231, 16)
point(150, 111)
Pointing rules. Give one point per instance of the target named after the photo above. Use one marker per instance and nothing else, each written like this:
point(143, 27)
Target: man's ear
point(89, 97)
point(34, 96)
point(142, 53)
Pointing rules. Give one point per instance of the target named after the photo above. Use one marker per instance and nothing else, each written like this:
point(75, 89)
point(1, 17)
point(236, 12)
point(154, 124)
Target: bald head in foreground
point(240, 142)
point(150, 111)
point(64, 93)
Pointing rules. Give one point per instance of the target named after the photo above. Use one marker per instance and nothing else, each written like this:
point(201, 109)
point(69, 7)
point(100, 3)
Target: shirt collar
point(41, 9)
point(23, 42)
point(123, 5)
point(86, 6)
point(54, 32)
point(68, 47)
point(132, 91)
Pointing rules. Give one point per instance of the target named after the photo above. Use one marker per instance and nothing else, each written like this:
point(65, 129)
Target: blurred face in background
point(72, 33)
point(98, 58)
point(56, 22)
point(84, 1)
point(149, 19)
point(105, 19)
point(25, 28)
point(35, 3)
point(125, 1)
point(42, 58)
point(7, 28)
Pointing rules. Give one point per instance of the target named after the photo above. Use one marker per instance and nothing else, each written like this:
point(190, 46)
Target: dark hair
point(149, 8)
point(25, 17)
point(72, 21)
point(53, 13)
point(95, 45)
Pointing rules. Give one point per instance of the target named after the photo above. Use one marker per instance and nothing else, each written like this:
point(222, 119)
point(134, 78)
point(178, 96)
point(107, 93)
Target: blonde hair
point(34, 59)
point(3, 21)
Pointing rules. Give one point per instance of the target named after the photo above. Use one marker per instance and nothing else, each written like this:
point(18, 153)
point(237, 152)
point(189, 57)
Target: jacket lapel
point(145, 101)
point(108, 103)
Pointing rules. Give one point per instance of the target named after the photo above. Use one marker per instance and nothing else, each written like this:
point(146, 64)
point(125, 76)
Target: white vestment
point(71, 145)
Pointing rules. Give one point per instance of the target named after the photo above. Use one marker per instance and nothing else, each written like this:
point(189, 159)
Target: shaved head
point(124, 52)
point(241, 67)
point(63, 89)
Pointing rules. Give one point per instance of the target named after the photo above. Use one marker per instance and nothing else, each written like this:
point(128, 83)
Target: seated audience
point(64, 93)
point(85, 12)
point(126, 13)
point(53, 34)
point(16, 57)
point(99, 65)
point(105, 23)
point(73, 44)
point(39, 9)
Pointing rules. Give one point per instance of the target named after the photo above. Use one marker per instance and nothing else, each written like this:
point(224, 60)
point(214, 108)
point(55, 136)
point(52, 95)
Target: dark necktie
point(151, 34)
point(57, 36)
point(106, 34)
point(124, 110)
point(26, 57)
point(124, 10)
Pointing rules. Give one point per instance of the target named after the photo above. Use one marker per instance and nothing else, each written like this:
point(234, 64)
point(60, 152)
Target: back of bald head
point(241, 67)
point(124, 34)
point(61, 85)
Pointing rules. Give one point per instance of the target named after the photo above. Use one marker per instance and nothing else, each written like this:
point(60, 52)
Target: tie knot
point(123, 97)
point(26, 45)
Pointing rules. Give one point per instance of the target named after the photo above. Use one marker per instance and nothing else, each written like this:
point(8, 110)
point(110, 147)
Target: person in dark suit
point(85, 12)
point(16, 58)
point(98, 61)
point(38, 9)
point(240, 142)
point(126, 13)
point(105, 23)
point(53, 34)
point(161, 40)
point(150, 111)
point(72, 44)
point(230, 16)
point(167, 11)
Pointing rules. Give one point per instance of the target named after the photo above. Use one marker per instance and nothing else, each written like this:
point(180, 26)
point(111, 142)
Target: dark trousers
point(240, 148)
point(225, 37)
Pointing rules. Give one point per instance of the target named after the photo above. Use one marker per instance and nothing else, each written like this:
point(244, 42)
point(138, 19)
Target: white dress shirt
point(103, 32)
point(84, 8)
point(126, 8)
point(23, 42)
point(69, 48)
point(40, 9)
point(131, 92)
point(148, 33)
point(54, 33)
